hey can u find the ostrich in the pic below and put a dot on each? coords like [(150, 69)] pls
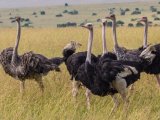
[(121, 52), (73, 61), (105, 53), (152, 54), (107, 77), (26, 66)]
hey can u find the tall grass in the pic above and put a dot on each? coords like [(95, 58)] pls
[(57, 102)]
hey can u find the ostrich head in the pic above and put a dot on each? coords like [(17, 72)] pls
[(149, 53), (72, 45), (144, 19), (89, 26), (104, 21), (17, 19), (111, 17)]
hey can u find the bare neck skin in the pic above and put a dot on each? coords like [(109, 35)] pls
[(15, 50), (145, 35), (90, 40), (114, 33), (104, 38)]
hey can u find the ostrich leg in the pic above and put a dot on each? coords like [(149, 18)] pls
[(75, 86), (88, 94), (116, 104), (22, 86), (40, 83), (158, 79)]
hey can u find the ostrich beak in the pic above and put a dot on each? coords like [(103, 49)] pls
[(83, 26)]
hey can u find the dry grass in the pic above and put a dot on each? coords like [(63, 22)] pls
[(57, 103)]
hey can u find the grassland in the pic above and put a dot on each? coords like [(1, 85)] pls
[(85, 14), (57, 102)]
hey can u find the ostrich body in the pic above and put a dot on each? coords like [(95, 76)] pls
[(73, 61), (151, 54), (26, 66), (107, 77), (121, 52)]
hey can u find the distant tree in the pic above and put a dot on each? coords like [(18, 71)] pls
[(59, 15), (127, 9), (130, 25), (73, 12), (137, 9), (158, 12), (34, 13), (119, 22), (136, 12), (66, 4), (156, 19), (94, 14), (65, 11), (139, 24), (42, 12)]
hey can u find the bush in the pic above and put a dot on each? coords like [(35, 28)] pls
[(59, 15), (139, 24), (119, 22), (156, 18), (42, 12), (94, 14), (130, 25), (66, 4), (73, 12), (65, 11), (136, 12), (158, 12), (127, 9)]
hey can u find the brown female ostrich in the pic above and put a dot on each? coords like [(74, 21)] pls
[(27, 66)]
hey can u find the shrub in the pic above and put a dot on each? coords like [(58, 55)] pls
[(42, 12), (94, 14), (156, 18), (127, 9), (139, 24), (65, 11), (119, 22), (66, 4), (130, 25), (59, 15), (158, 12)]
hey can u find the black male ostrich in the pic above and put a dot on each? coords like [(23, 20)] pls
[(107, 77), (73, 61), (121, 52), (151, 54), (26, 66)]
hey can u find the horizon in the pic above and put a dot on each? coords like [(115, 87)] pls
[(42, 3)]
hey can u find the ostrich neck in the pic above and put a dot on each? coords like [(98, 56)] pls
[(145, 35), (114, 33), (104, 39), (90, 40), (15, 50)]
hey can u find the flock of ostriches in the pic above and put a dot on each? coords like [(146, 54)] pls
[(102, 75)]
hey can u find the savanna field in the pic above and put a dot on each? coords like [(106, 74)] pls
[(57, 101)]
